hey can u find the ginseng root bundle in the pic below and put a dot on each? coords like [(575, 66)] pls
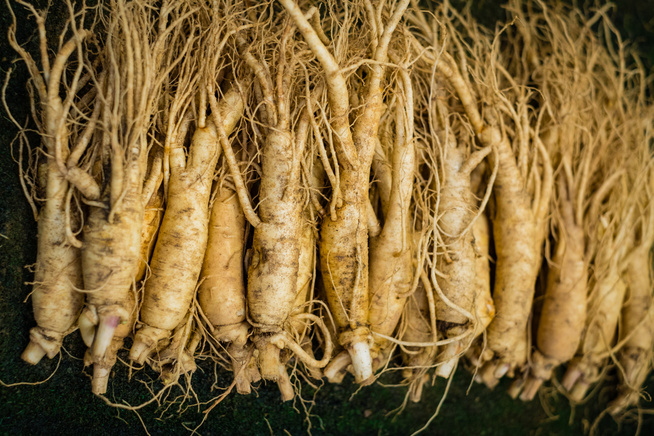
[(304, 190)]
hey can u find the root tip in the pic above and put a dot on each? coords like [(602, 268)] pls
[(33, 353), (100, 380), (570, 378), (140, 350), (361, 361), (531, 388)]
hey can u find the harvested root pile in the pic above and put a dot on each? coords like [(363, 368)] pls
[(305, 191)]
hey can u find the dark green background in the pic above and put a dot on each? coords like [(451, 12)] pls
[(64, 405)]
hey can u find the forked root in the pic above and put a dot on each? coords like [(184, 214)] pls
[(270, 346)]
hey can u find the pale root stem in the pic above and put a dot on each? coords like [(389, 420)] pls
[(102, 365), (269, 358), (284, 384), (516, 387), (571, 376), (104, 335), (359, 352), (486, 375), (109, 318), (530, 388), (100, 379), (582, 372)]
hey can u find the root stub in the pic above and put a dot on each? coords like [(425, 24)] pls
[(33, 353), (42, 342), (145, 341), (244, 368), (337, 368), (361, 361), (269, 359), (104, 335), (100, 379), (271, 368)]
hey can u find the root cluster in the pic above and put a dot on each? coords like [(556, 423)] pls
[(302, 191)]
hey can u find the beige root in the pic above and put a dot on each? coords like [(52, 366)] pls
[(304, 301), (222, 287), (637, 327), (392, 252), (57, 273), (344, 237), (456, 251), (521, 213), (564, 309), (112, 235), (609, 241), (420, 327), (637, 319), (277, 251), (182, 240)]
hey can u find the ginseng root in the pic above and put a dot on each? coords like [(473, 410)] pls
[(57, 274), (222, 286), (344, 237), (182, 240)]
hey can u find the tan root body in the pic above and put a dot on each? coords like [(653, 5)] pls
[(222, 287), (113, 232), (182, 240), (563, 315), (344, 238), (57, 274)]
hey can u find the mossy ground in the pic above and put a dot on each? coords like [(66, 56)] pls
[(64, 404)]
